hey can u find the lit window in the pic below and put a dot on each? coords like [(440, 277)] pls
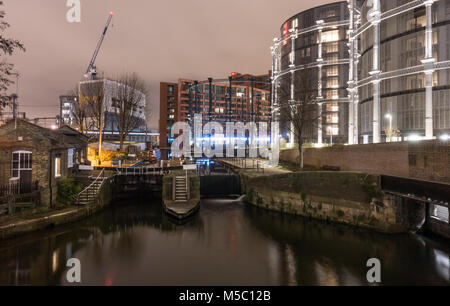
[(334, 130), (330, 36), (295, 23), (334, 118), (332, 94), (58, 166), (333, 83), (333, 107), (332, 71), (331, 48)]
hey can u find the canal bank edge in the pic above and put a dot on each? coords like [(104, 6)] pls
[(52, 219), (345, 197)]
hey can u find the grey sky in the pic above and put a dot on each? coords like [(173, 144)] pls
[(160, 40)]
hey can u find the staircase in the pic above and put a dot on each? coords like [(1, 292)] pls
[(181, 194), (89, 195)]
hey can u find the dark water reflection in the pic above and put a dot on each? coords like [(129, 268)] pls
[(228, 243)]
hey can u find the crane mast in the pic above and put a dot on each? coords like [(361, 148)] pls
[(91, 70)]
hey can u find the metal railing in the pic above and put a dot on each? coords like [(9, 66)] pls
[(18, 188), (91, 191), (142, 171), (242, 163)]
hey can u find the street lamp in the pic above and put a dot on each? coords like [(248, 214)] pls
[(389, 116), (330, 129)]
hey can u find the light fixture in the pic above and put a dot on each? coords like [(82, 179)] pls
[(444, 137), (414, 137)]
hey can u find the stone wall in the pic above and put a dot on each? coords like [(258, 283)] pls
[(27, 137), (349, 198), (428, 160)]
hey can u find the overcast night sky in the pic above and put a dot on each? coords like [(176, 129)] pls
[(160, 40)]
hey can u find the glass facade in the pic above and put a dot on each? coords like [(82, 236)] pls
[(406, 57), (381, 68), (320, 38)]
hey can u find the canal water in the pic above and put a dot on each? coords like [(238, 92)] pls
[(227, 243)]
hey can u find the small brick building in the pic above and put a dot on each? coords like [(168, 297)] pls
[(32, 156)]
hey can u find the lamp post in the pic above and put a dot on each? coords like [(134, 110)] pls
[(330, 129), (389, 116)]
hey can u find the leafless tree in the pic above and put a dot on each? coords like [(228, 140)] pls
[(299, 115), (79, 113), (7, 46), (128, 98), (94, 107)]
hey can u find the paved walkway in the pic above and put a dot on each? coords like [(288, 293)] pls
[(254, 166)]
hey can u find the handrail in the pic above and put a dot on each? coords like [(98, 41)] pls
[(91, 185)]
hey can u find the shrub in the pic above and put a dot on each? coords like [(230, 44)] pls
[(68, 191)]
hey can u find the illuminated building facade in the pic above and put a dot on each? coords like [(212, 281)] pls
[(250, 101), (381, 68), (316, 40)]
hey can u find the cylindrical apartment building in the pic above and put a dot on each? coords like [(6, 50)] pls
[(382, 68), (401, 83), (316, 40)]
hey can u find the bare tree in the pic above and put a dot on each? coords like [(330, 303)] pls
[(128, 102), (8, 46), (299, 115), (79, 113), (94, 107)]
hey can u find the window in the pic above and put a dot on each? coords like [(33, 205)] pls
[(305, 52), (330, 36), (412, 160), (332, 130), (58, 166), (333, 83), (332, 94), (333, 118), (332, 71), (220, 90), (21, 161), (331, 48), (171, 89), (331, 57), (332, 107)]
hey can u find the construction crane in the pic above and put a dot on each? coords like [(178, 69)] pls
[(92, 69)]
